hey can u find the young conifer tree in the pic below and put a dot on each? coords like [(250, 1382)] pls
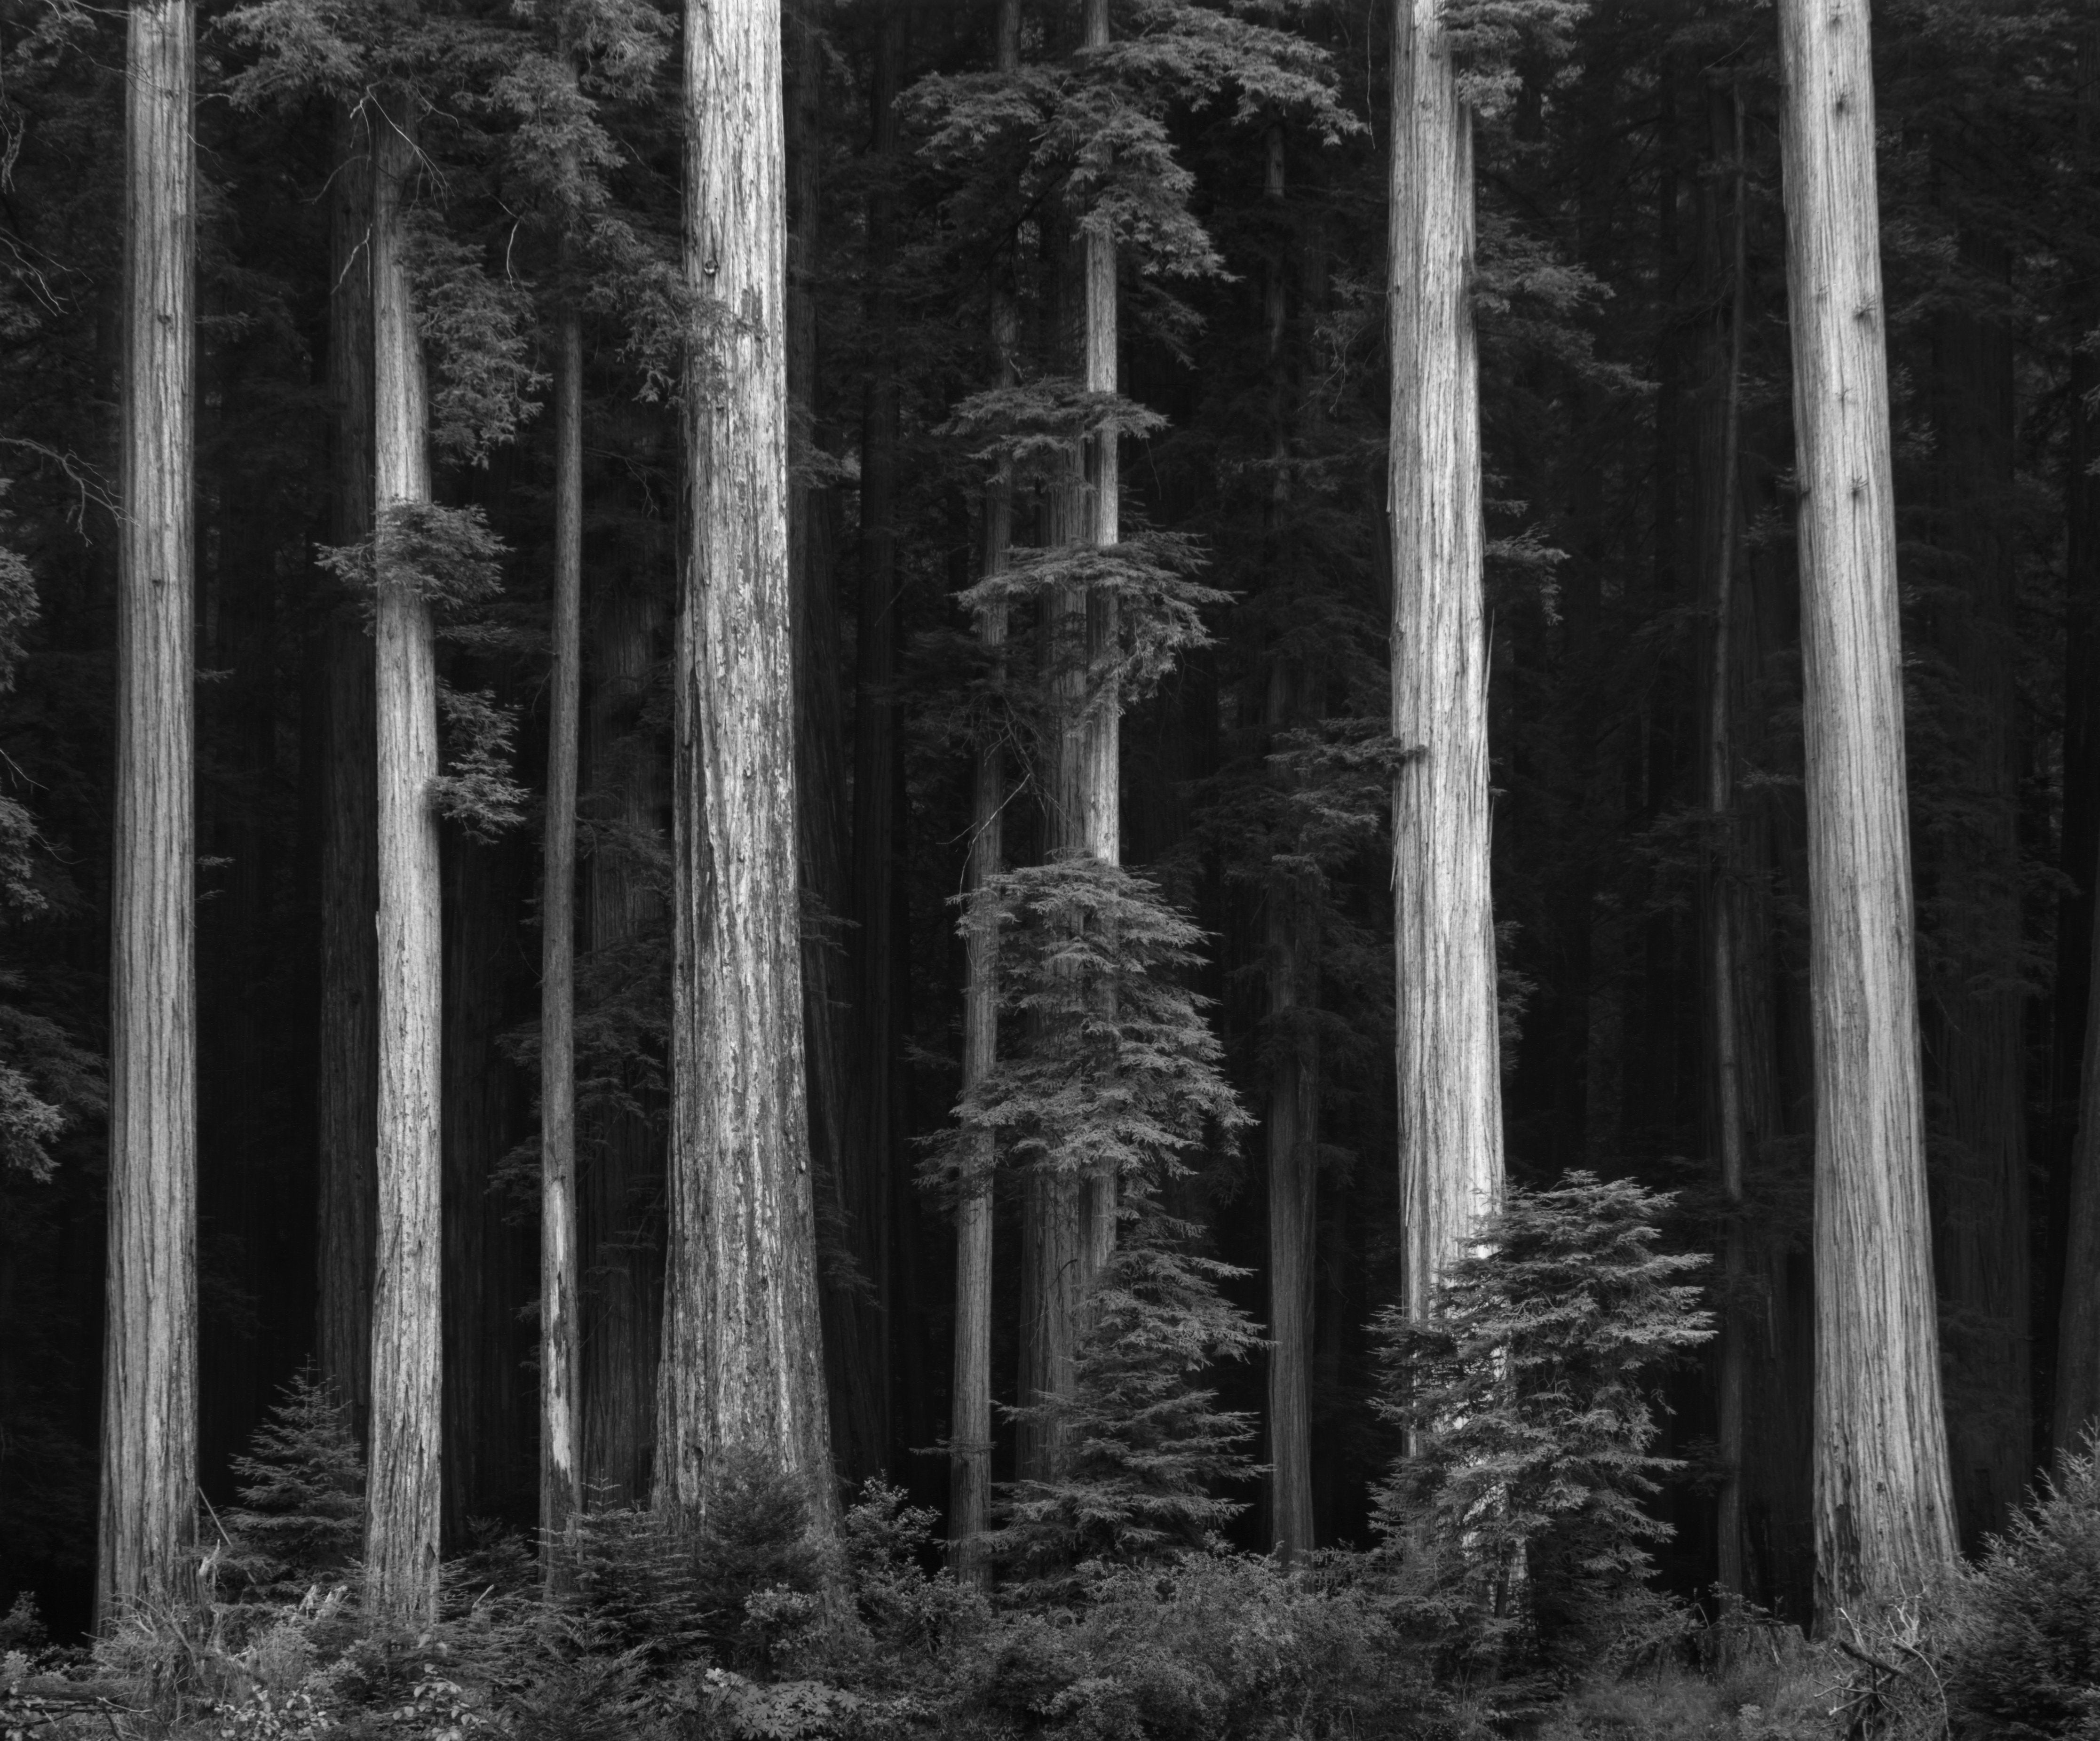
[(1447, 1050), (149, 1410), (1884, 1512), (742, 1367)]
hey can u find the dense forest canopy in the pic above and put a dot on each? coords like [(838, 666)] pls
[(1075, 753)]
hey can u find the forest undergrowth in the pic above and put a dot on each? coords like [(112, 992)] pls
[(1510, 1591)]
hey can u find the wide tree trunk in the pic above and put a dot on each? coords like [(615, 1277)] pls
[(405, 1493), (1068, 1225), (1447, 1047), (561, 1467), (1973, 1018), (1884, 1512), (149, 1398), (347, 1086), (742, 1367)]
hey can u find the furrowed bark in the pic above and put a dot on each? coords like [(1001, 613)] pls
[(404, 1502), (144, 1547), (1884, 1512), (347, 1086), (1447, 1046), (743, 1368), (561, 1467)]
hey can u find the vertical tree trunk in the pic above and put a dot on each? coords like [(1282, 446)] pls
[(1068, 1226), (405, 1494), (872, 1138), (2077, 1335), (970, 1428), (347, 1086), (1884, 1515), (561, 1469), (741, 1369), (1723, 929), (1447, 1049), (1974, 1021), (149, 1424)]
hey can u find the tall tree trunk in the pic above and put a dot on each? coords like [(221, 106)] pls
[(1068, 1225), (1447, 1051), (404, 1506), (1974, 1020), (623, 1303), (347, 1083), (2077, 1335), (149, 1401), (561, 1468), (1724, 928), (875, 1130), (969, 1429), (1884, 1512), (742, 1368)]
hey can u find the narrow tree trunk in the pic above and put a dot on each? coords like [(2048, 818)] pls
[(1722, 919), (1447, 1051), (149, 1402), (1068, 1226), (1884, 1513), (970, 1428), (870, 1153), (347, 1084), (404, 1502), (1974, 1021), (561, 1469), (2078, 1336), (741, 1369)]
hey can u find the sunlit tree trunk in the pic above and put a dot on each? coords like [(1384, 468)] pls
[(1884, 1513), (1447, 1049), (743, 1369), (561, 1469), (405, 1491), (149, 1398)]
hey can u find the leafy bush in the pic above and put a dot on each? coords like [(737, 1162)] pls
[(2021, 1643), (1526, 1396)]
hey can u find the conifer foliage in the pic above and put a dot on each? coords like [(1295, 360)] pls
[(1529, 1393)]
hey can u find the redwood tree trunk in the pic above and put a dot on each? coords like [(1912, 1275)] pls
[(1068, 1225), (405, 1493), (347, 1084), (1884, 1512), (149, 1400), (1447, 1049), (743, 1369), (561, 1469)]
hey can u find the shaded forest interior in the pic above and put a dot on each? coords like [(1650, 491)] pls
[(1643, 661)]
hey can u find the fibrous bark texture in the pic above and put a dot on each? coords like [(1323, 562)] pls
[(561, 1469), (1447, 1045), (1884, 1513), (405, 1495), (149, 1397), (743, 1369), (347, 1086)]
